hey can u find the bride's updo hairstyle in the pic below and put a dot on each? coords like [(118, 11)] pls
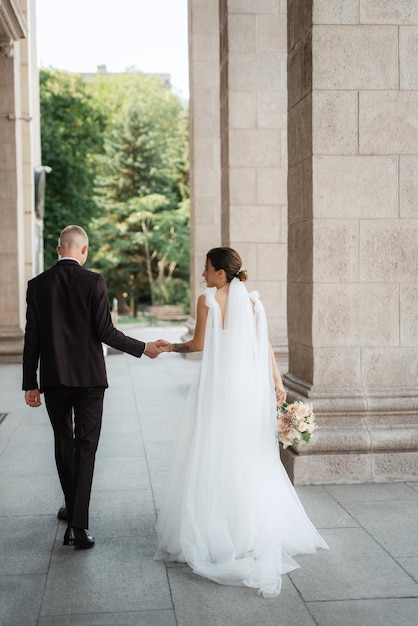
[(228, 260)]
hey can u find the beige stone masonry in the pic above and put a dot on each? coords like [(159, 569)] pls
[(388, 251), (409, 315), (360, 314), (398, 12), (335, 122), (11, 313), (408, 57), (205, 163), (254, 6), (254, 148), (336, 12), (408, 186), (388, 122), (355, 57), (390, 367), (355, 186), (336, 257), (353, 233)]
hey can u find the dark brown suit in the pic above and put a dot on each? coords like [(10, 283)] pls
[(67, 321)]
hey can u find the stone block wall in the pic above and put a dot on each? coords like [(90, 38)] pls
[(253, 103), (238, 112), (353, 226), (19, 154), (205, 144)]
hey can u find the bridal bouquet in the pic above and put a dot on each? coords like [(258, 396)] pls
[(295, 423)]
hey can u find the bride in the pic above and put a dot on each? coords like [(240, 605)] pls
[(231, 511)]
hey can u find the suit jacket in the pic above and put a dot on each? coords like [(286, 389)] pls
[(67, 320)]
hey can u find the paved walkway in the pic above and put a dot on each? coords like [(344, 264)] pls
[(369, 576)]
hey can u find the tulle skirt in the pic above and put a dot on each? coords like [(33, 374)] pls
[(231, 511)]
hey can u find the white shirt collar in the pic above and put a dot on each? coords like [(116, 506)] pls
[(68, 258)]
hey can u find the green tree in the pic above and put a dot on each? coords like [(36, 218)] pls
[(72, 135), (146, 146), (133, 161), (142, 234), (144, 250)]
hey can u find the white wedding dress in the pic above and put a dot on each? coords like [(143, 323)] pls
[(231, 511)]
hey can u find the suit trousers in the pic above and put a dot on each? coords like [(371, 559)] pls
[(76, 418)]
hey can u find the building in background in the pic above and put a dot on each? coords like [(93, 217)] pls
[(102, 71), (20, 155)]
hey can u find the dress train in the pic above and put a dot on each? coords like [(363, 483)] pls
[(231, 511)]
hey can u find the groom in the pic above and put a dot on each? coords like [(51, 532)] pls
[(67, 320)]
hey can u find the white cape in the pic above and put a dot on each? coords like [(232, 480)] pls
[(231, 511)]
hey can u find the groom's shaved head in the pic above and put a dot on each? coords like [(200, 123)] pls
[(73, 237)]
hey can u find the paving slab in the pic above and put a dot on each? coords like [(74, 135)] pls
[(201, 602), (380, 519), (323, 510), (410, 565), (354, 567), (20, 599), (127, 513), (372, 492), (390, 612), (116, 575), (25, 544), (124, 618), (30, 494)]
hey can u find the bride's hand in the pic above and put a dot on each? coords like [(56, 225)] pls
[(280, 395), (165, 346)]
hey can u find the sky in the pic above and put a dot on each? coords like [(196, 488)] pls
[(149, 35)]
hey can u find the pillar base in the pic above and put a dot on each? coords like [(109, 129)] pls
[(11, 345), (340, 469), (362, 436)]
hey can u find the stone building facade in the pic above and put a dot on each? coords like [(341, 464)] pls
[(340, 238), (353, 235), (20, 155), (304, 157)]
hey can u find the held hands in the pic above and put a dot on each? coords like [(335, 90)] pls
[(152, 350), (164, 346), (33, 397)]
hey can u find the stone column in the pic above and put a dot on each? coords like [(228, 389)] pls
[(254, 149), (11, 215), (19, 152), (205, 164), (353, 233)]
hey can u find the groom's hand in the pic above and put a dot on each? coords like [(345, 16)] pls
[(33, 397), (152, 350)]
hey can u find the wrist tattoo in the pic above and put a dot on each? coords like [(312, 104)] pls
[(180, 347)]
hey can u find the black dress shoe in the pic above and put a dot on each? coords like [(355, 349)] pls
[(79, 538), (82, 538), (63, 513)]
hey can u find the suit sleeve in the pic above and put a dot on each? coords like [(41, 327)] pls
[(108, 334), (31, 349)]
